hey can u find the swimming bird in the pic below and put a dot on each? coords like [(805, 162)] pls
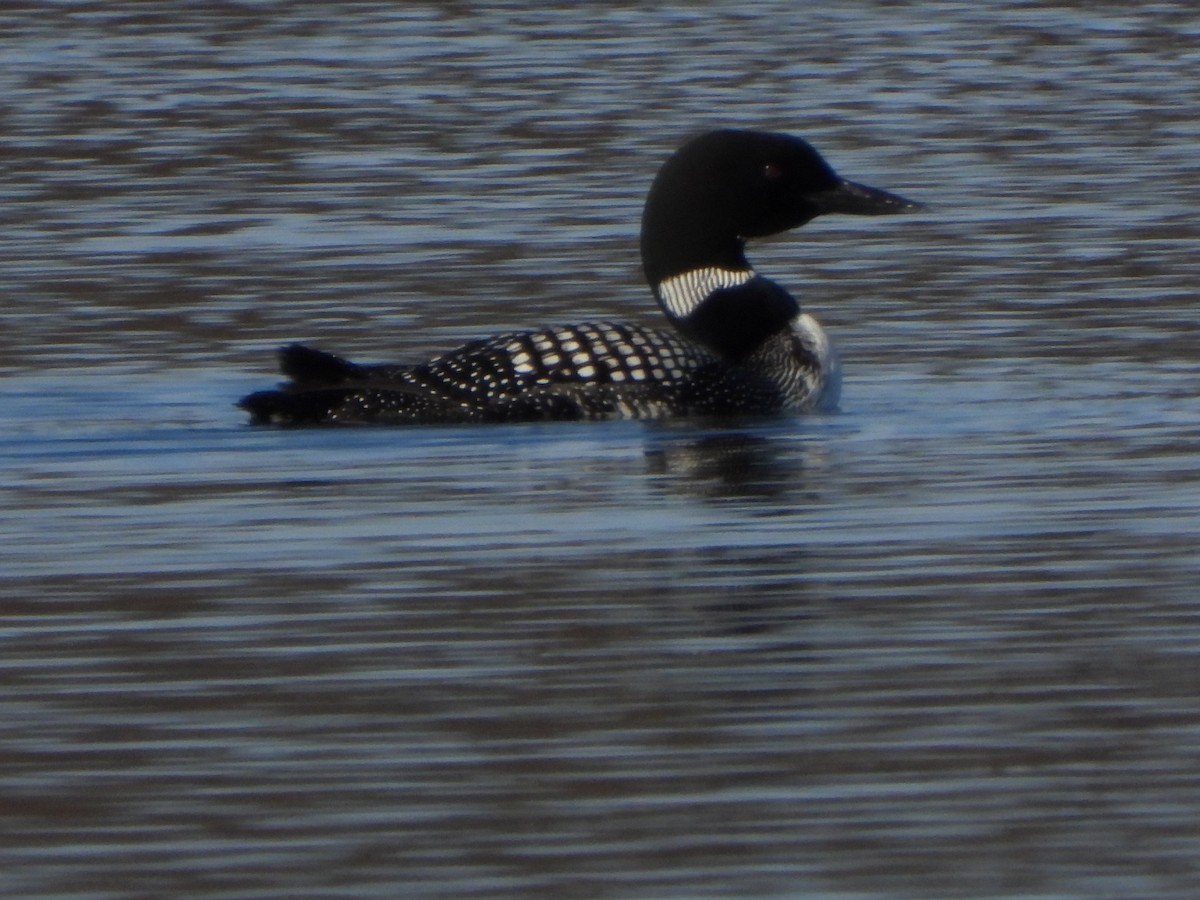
[(739, 345)]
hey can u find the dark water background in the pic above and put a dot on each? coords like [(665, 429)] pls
[(943, 643)]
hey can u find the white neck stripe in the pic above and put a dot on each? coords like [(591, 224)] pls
[(681, 294)]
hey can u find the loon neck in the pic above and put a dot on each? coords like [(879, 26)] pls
[(732, 311), (693, 255), (678, 238)]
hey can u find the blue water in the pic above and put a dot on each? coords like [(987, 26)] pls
[(941, 643)]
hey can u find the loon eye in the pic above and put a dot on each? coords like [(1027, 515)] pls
[(771, 171)]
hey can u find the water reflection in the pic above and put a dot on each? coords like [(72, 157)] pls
[(728, 464)]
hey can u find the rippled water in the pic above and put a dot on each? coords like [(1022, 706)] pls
[(943, 643)]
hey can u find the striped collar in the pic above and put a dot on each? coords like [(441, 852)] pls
[(681, 294)]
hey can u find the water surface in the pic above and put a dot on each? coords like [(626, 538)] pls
[(942, 643)]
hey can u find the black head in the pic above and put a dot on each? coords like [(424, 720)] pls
[(727, 186)]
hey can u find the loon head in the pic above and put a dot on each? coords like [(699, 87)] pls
[(708, 199), (727, 186)]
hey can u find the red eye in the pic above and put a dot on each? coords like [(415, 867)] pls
[(771, 171)]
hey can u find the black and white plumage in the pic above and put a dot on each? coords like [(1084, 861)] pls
[(739, 343), (594, 370)]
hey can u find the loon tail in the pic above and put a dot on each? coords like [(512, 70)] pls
[(282, 407), (325, 389), (318, 384), (307, 366)]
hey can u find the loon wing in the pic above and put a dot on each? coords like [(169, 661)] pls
[(588, 371)]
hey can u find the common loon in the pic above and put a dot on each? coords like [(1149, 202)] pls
[(741, 345)]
